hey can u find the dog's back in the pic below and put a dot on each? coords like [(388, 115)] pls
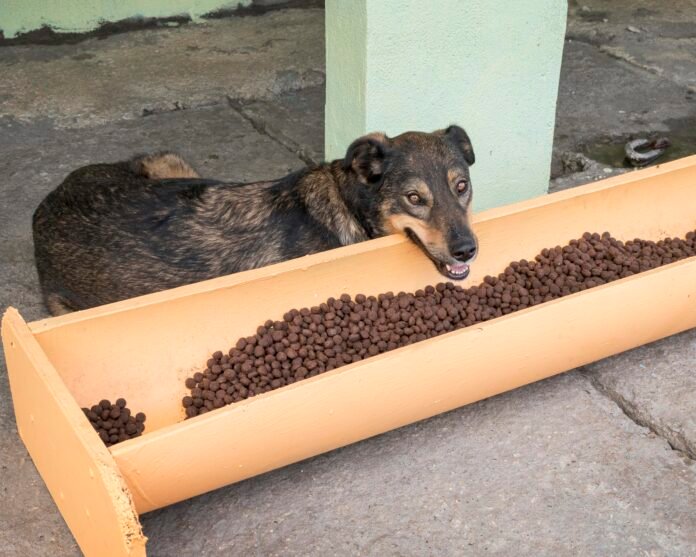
[(111, 232), (92, 212)]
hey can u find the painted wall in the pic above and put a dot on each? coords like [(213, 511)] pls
[(20, 16), (345, 114), (491, 66)]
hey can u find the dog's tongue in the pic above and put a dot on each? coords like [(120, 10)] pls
[(458, 268)]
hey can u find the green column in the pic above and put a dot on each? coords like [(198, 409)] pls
[(491, 66)]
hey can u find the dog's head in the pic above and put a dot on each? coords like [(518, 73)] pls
[(418, 184)]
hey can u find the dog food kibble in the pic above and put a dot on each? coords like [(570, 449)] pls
[(310, 341), (114, 422)]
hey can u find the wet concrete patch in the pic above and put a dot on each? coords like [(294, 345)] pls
[(593, 16), (677, 30), (261, 7), (610, 151), (644, 12), (45, 35)]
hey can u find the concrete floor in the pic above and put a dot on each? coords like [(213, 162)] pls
[(599, 461)]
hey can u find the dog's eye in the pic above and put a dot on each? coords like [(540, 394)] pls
[(414, 199), (462, 186)]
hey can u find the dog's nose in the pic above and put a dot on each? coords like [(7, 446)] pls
[(464, 251)]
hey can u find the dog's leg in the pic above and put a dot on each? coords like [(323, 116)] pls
[(164, 164)]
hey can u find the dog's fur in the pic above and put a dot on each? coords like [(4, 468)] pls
[(114, 231)]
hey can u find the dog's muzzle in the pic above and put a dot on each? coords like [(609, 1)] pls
[(453, 271)]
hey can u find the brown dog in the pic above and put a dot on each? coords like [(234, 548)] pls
[(114, 231)]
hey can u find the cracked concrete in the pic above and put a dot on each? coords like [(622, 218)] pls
[(293, 121), (660, 394), (596, 462)]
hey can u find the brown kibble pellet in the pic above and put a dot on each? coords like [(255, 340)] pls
[(113, 422), (343, 330)]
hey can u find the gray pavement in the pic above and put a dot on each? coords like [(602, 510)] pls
[(599, 461), (629, 71)]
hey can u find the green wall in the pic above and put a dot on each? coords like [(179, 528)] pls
[(346, 61), (21, 16), (491, 66)]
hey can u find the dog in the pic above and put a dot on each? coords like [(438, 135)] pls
[(115, 231)]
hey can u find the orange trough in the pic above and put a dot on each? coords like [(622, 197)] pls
[(142, 349)]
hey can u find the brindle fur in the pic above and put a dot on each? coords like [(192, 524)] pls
[(114, 231)]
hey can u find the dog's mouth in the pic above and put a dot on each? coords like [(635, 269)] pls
[(456, 271)]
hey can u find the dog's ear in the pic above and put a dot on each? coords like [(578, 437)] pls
[(367, 157), (461, 140)]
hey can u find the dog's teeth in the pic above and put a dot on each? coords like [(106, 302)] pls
[(457, 269)]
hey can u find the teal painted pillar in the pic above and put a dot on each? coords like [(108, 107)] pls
[(491, 66)]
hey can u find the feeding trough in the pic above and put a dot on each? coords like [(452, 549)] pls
[(143, 349)]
